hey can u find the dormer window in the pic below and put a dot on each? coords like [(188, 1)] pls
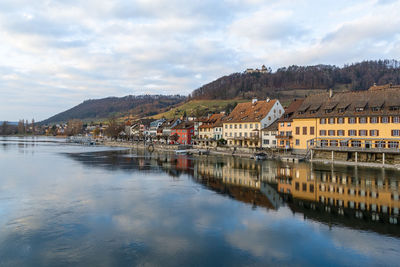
[(393, 108), (375, 108), (359, 109)]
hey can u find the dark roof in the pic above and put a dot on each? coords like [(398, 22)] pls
[(358, 103), (291, 110), (184, 125), (250, 112), (272, 127)]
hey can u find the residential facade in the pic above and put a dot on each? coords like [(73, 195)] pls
[(242, 127), (268, 135), (285, 129), (363, 119), (185, 132)]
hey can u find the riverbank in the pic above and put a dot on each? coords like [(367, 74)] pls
[(225, 151)]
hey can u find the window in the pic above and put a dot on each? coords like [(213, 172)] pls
[(374, 132), (230, 126), (240, 126), (282, 124), (226, 134), (245, 126), (304, 185), (311, 188), (331, 132), (352, 133), (266, 142), (373, 120), (230, 134), (393, 144), (226, 126), (333, 143), (355, 143), (245, 134), (282, 143), (385, 119), (322, 132), (256, 126), (297, 186), (297, 142), (331, 120), (395, 132), (344, 143), (340, 120), (324, 143), (340, 132), (251, 126), (380, 144), (289, 124), (352, 120), (297, 130), (304, 130), (362, 132), (311, 130), (362, 120), (322, 121), (235, 126), (396, 119), (281, 133)]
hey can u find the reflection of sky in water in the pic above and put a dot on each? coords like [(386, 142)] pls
[(54, 210)]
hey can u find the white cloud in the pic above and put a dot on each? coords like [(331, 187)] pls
[(68, 51)]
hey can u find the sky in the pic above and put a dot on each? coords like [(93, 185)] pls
[(56, 54)]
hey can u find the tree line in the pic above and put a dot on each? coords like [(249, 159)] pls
[(358, 76)]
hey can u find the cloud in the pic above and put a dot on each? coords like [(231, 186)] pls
[(68, 51)]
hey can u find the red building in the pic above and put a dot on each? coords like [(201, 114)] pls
[(185, 132)]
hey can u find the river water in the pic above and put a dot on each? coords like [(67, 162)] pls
[(63, 205)]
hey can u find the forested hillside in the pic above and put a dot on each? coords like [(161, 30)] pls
[(358, 76), (96, 109)]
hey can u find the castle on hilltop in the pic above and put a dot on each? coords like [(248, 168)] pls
[(262, 70)]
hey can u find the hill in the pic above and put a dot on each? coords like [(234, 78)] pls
[(199, 108), (134, 106), (298, 81)]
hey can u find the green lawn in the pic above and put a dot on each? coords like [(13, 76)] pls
[(197, 107)]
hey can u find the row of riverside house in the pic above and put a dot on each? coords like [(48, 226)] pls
[(361, 120), (357, 120)]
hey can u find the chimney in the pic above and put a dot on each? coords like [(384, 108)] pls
[(330, 93), (254, 101)]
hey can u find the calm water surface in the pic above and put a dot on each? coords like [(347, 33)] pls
[(64, 204)]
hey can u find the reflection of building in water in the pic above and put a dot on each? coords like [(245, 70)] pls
[(241, 176), (340, 191)]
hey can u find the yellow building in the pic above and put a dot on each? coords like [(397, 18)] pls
[(365, 119), (285, 129), (241, 128)]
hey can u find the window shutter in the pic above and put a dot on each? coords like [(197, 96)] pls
[(377, 132)]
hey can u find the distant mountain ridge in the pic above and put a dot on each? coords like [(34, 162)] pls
[(9, 122), (304, 79), (97, 109)]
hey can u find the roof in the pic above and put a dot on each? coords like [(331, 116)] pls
[(378, 101), (250, 112), (215, 120), (291, 110), (273, 127), (184, 125)]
